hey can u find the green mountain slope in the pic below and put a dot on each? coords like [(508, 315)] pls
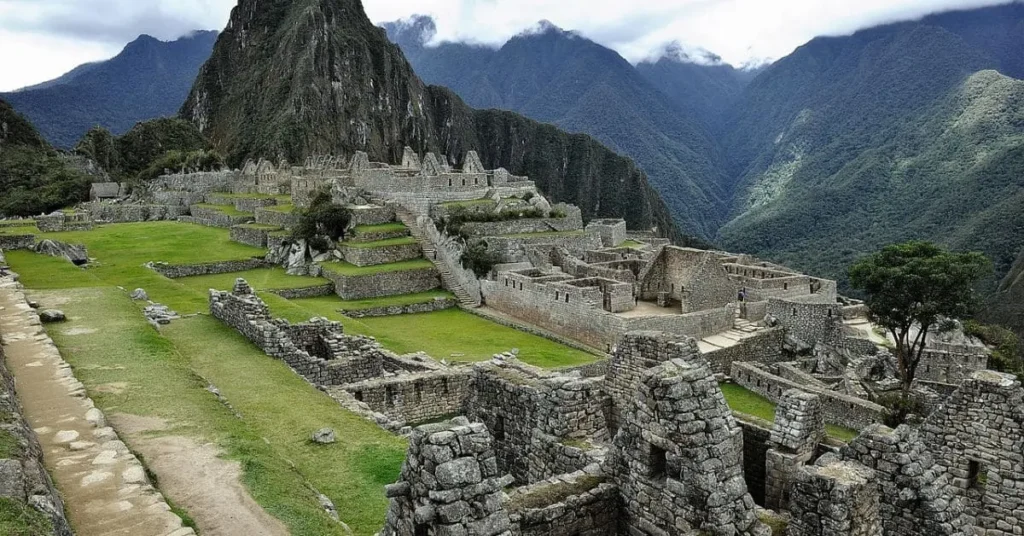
[(148, 79), (288, 79), (560, 77), (950, 172), (1006, 305)]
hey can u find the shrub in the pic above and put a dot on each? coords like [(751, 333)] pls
[(479, 258), (1006, 348), (452, 223), (900, 407), (184, 162), (321, 222)]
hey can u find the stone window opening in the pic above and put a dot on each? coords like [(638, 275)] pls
[(977, 475), (658, 463), (421, 530), (499, 428), (794, 311), (389, 396), (444, 386), (358, 395), (566, 297), (785, 286), (419, 391), (558, 295)]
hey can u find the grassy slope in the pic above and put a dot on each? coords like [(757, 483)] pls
[(262, 278)]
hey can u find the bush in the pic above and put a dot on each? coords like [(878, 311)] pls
[(184, 162), (1006, 348), (479, 258), (459, 216), (899, 408), (321, 222)]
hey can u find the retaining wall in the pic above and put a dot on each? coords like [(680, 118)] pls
[(10, 242), (214, 218), (588, 506), (437, 304), (252, 236), (765, 347), (415, 398), (134, 213), (276, 218), (380, 285), (176, 271), (372, 256), (305, 292)]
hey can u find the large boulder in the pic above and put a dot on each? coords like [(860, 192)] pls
[(324, 436), (74, 253), (50, 316)]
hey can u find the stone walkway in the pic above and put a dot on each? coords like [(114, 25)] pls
[(104, 487), (742, 329)]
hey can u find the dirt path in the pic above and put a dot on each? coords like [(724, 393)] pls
[(195, 478), (104, 486)]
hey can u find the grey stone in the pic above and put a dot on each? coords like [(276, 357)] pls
[(51, 316), (324, 436)]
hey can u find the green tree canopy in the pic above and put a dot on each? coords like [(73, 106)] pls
[(914, 287)]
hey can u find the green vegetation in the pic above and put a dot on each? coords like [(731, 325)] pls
[(259, 279), (142, 148), (17, 223), (551, 494), (456, 218), (322, 222), (181, 161), (473, 203), (344, 268), (1007, 352), (278, 409), (20, 519), (632, 244), (404, 241), (287, 208), (747, 402), (479, 258), (9, 447), (260, 226), (911, 289), (390, 301), (228, 210), (23, 230)]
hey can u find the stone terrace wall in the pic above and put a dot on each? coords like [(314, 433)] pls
[(306, 292), (23, 478), (199, 183), (415, 398), (12, 242), (949, 367), (383, 284), (839, 409), (572, 222), (214, 218), (363, 256), (634, 355), (266, 216), (437, 304), (698, 325), (765, 347), (755, 453), (242, 204), (513, 248), (134, 213), (176, 271), (252, 236), (839, 499), (810, 322), (583, 505)]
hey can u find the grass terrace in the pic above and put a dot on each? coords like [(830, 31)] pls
[(471, 203), (632, 244), (17, 223), (743, 400), (260, 226), (284, 209), (280, 198), (228, 210), (12, 230), (403, 241), (346, 269), (259, 279)]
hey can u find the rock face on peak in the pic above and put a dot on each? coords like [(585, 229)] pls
[(294, 78)]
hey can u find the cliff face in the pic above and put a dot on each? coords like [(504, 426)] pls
[(293, 78)]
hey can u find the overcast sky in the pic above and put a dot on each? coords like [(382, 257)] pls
[(42, 39)]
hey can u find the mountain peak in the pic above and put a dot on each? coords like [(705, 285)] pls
[(416, 30)]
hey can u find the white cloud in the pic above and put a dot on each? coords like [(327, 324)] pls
[(51, 36)]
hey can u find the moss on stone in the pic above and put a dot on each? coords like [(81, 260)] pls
[(20, 519)]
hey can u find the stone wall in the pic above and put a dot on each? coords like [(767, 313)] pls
[(678, 457), (437, 304), (516, 400), (371, 215), (838, 408), (450, 484), (977, 435), (755, 455), (212, 217), (764, 347), (318, 350), (134, 213), (839, 499), (12, 242), (695, 278), (23, 477), (251, 235), (613, 232), (634, 355), (176, 271), (808, 321), (198, 183), (379, 285), (513, 248), (415, 398), (241, 204), (572, 222), (579, 504), (372, 256), (798, 429), (699, 324), (949, 367), (266, 216)]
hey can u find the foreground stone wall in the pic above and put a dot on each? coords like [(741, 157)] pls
[(437, 304), (765, 347), (267, 216), (12, 242), (23, 478), (577, 503), (839, 499), (364, 256), (379, 285), (134, 213), (635, 354)]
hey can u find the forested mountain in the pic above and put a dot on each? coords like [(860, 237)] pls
[(562, 78), (289, 79), (148, 79), (911, 130)]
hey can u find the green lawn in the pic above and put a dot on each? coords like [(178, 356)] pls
[(382, 228), (121, 250), (344, 268), (19, 230), (17, 223), (632, 244), (260, 226), (286, 208), (748, 402), (259, 279), (403, 241), (165, 375), (453, 334)]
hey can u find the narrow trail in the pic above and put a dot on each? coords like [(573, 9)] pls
[(104, 487)]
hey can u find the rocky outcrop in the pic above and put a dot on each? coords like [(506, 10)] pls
[(291, 79), (75, 254)]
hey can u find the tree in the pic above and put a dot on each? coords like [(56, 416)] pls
[(321, 221), (912, 289)]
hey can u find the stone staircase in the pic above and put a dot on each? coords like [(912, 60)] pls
[(741, 330), (451, 283)]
